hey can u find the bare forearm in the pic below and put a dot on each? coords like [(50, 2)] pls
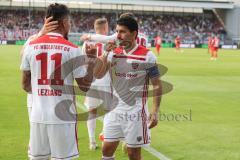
[(86, 81), (101, 67), (102, 38), (26, 81), (157, 96), (26, 85), (27, 88)]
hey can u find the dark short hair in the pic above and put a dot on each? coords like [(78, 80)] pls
[(129, 22), (57, 11)]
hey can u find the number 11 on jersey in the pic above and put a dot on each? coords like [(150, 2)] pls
[(43, 58)]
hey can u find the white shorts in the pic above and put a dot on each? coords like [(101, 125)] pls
[(58, 141), (105, 97), (130, 127)]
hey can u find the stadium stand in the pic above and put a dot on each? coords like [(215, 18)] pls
[(193, 28)]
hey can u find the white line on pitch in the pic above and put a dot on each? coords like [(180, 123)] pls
[(149, 149)]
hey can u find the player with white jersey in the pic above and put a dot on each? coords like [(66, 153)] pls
[(103, 84), (47, 27), (132, 66), (50, 64), (142, 38)]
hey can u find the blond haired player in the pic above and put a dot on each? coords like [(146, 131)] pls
[(141, 39), (103, 84)]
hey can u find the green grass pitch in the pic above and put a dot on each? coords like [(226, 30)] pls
[(209, 89)]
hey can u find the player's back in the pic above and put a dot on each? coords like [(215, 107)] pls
[(142, 39), (52, 61), (105, 80)]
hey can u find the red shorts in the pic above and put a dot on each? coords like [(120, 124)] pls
[(177, 45), (158, 46), (215, 49)]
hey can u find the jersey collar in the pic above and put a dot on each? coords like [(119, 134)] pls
[(54, 34), (131, 51)]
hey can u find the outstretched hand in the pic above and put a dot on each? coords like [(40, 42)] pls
[(91, 51), (111, 45)]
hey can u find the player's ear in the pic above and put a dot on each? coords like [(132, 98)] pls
[(135, 33), (64, 24), (61, 24)]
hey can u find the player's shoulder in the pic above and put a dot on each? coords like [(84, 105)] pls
[(53, 39), (118, 50), (141, 51), (151, 58)]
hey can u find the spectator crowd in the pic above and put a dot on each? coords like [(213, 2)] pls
[(194, 28)]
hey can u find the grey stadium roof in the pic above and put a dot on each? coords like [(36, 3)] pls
[(145, 5), (224, 4)]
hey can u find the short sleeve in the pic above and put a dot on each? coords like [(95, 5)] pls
[(84, 48), (151, 58), (110, 57), (79, 64), (152, 67), (25, 63)]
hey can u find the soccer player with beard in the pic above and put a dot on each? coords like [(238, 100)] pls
[(132, 67)]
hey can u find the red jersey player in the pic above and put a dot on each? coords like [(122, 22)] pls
[(158, 43), (210, 44), (177, 44), (215, 45)]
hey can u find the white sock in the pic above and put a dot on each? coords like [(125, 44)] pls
[(91, 125), (108, 158)]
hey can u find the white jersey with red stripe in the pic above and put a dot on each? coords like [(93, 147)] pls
[(105, 81), (53, 63), (130, 77), (141, 39)]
